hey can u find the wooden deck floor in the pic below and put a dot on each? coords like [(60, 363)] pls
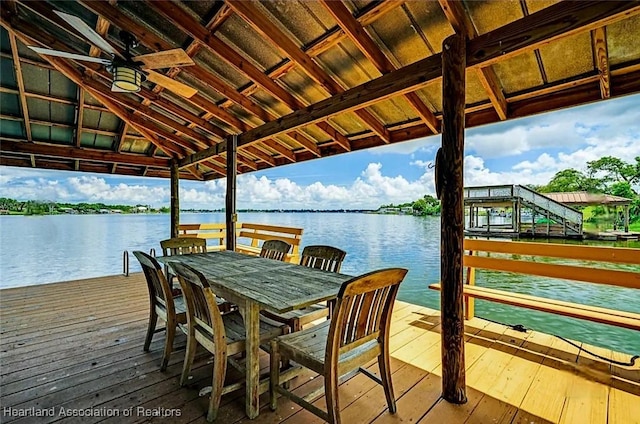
[(78, 346)]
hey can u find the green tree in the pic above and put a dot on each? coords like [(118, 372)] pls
[(614, 170), (572, 180)]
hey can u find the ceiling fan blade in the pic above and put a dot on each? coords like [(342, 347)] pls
[(89, 33), (165, 59), (171, 84), (58, 53)]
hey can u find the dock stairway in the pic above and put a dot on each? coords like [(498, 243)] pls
[(560, 220)]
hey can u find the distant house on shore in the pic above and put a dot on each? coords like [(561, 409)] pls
[(142, 209), (407, 210), (69, 210), (389, 210), (116, 211), (104, 211)]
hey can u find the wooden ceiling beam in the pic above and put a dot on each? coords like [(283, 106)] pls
[(283, 151), (79, 117), (82, 153), (461, 23), (361, 38), (124, 127), (305, 142), (528, 33), (281, 41), (601, 56), (20, 80), (50, 98), (187, 23), (102, 27), (254, 151)]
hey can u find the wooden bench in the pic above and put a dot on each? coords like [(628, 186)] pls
[(250, 236), (508, 259)]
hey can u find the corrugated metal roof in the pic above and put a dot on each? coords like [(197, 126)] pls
[(582, 198)]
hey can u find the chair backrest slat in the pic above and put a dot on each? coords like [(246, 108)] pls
[(159, 289), (275, 249), (183, 246), (203, 314), (363, 310), (326, 258)]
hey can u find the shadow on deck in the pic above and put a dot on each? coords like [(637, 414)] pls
[(76, 348)]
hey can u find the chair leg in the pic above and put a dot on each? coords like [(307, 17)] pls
[(168, 344), (331, 393), (274, 377), (151, 328), (219, 374), (385, 376), (192, 344)]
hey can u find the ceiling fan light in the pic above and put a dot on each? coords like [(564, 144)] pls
[(127, 78)]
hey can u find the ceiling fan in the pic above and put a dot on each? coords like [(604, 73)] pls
[(128, 71)]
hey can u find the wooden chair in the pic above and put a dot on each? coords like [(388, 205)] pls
[(163, 305), (222, 335), (357, 333), (275, 249), (326, 258), (181, 246)]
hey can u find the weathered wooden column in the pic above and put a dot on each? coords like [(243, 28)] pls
[(230, 206), (452, 218), (626, 218), (175, 198)]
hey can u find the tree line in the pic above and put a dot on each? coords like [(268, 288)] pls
[(39, 207)]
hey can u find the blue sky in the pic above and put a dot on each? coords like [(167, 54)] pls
[(522, 151)]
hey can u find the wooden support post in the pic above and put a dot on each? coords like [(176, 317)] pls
[(452, 219), (175, 198), (626, 218), (230, 209)]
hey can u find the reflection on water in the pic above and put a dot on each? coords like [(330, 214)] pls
[(36, 250)]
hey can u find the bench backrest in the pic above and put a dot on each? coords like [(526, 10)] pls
[(250, 236), (592, 274), (481, 254)]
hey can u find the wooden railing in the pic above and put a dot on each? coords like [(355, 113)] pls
[(481, 255), (250, 236)]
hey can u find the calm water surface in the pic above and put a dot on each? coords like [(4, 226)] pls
[(45, 249)]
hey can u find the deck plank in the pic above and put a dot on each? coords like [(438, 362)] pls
[(78, 344)]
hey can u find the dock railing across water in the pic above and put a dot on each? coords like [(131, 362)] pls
[(507, 256)]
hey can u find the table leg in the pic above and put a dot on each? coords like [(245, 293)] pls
[(252, 326)]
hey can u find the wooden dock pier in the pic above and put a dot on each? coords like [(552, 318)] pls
[(78, 345)]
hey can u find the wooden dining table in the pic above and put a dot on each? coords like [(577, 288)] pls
[(254, 284)]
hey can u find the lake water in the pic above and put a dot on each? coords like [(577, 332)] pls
[(45, 249)]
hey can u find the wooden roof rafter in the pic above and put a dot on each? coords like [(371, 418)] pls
[(461, 23), (282, 42), (181, 19), (367, 16), (357, 33), (601, 57)]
